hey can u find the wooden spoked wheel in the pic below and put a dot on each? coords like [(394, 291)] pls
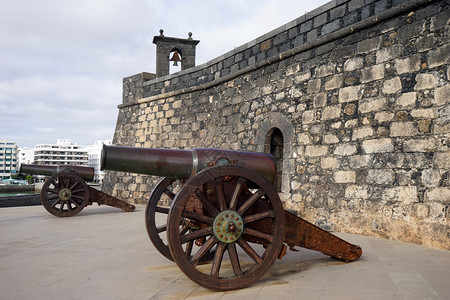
[(242, 224), (64, 194), (159, 203)]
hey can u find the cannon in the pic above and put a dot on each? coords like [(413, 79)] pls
[(65, 193), (225, 223)]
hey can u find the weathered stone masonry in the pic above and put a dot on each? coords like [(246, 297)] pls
[(361, 94)]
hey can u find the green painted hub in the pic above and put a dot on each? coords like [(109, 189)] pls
[(65, 194), (228, 226)]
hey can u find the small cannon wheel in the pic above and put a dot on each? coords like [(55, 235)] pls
[(159, 202), (236, 201), (64, 194)]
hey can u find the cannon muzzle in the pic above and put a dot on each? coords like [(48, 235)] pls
[(182, 164), (87, 173)]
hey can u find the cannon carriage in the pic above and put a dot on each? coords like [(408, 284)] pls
[(65, 193), (224, 223)]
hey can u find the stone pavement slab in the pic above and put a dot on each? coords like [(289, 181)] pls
[(104, 253)]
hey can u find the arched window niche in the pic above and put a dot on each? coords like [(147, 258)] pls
[(274, 144)]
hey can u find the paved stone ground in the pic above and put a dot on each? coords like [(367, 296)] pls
[(104, 253)]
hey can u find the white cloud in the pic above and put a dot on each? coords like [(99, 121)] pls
[(62, 61)]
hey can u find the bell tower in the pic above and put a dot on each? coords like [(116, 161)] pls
[(182, 50)]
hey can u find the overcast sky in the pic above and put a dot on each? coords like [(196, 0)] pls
[(62, 61)]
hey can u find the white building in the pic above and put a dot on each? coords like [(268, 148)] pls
[(26, 156), (8, 158), (61, 153), (94, 154)]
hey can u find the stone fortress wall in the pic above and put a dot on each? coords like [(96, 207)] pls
[(355, 99)]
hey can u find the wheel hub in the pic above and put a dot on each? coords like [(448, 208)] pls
[(228, 226), (65, 194)]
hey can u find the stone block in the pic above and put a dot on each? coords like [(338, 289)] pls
[(430, 177), (402, 194), (442, 95), (357, 192), (369, 45), (334, 82), (325, 70), (392, 86), (389, 53), (330, 139), (314, 86), (330, 27), (425, 81), (384, 116), (441, 160), (403, 129), (360, 161), (371, 105), (345, 176), (331, 112), (420, 145), (320, 100), (329, 163), (345, 150), (378, 145), (424, 113), (354, 63), (439, 194), (315, 151), (350, 93), (372, 73), (380, 177), (407, 100), (320, 20), (361, 133), (302, 76), (408, 65), (439, 57), (308, 117)]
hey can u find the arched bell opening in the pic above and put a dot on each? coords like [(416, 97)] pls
[(175, 61), (274, 145)]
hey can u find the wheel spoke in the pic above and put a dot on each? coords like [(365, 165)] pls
[(219, 193), (189, 246), (196, 234), (250, 201), (74, 202), (256, 217), (218, 259), (54, 191), (236, 193), (184, 228), (161, 228), (163, 210), (74, 185), (53, 196), (209, 207), (249, 250), (78, 197), (258, 234), (234, 259), (203, 250), (77, 191), (56, 202), (198, 217), (169, 193)]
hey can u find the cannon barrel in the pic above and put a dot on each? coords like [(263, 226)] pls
[(87, 173), (182, 164)]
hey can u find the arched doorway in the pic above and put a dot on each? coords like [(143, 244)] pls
[(274, 145)]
